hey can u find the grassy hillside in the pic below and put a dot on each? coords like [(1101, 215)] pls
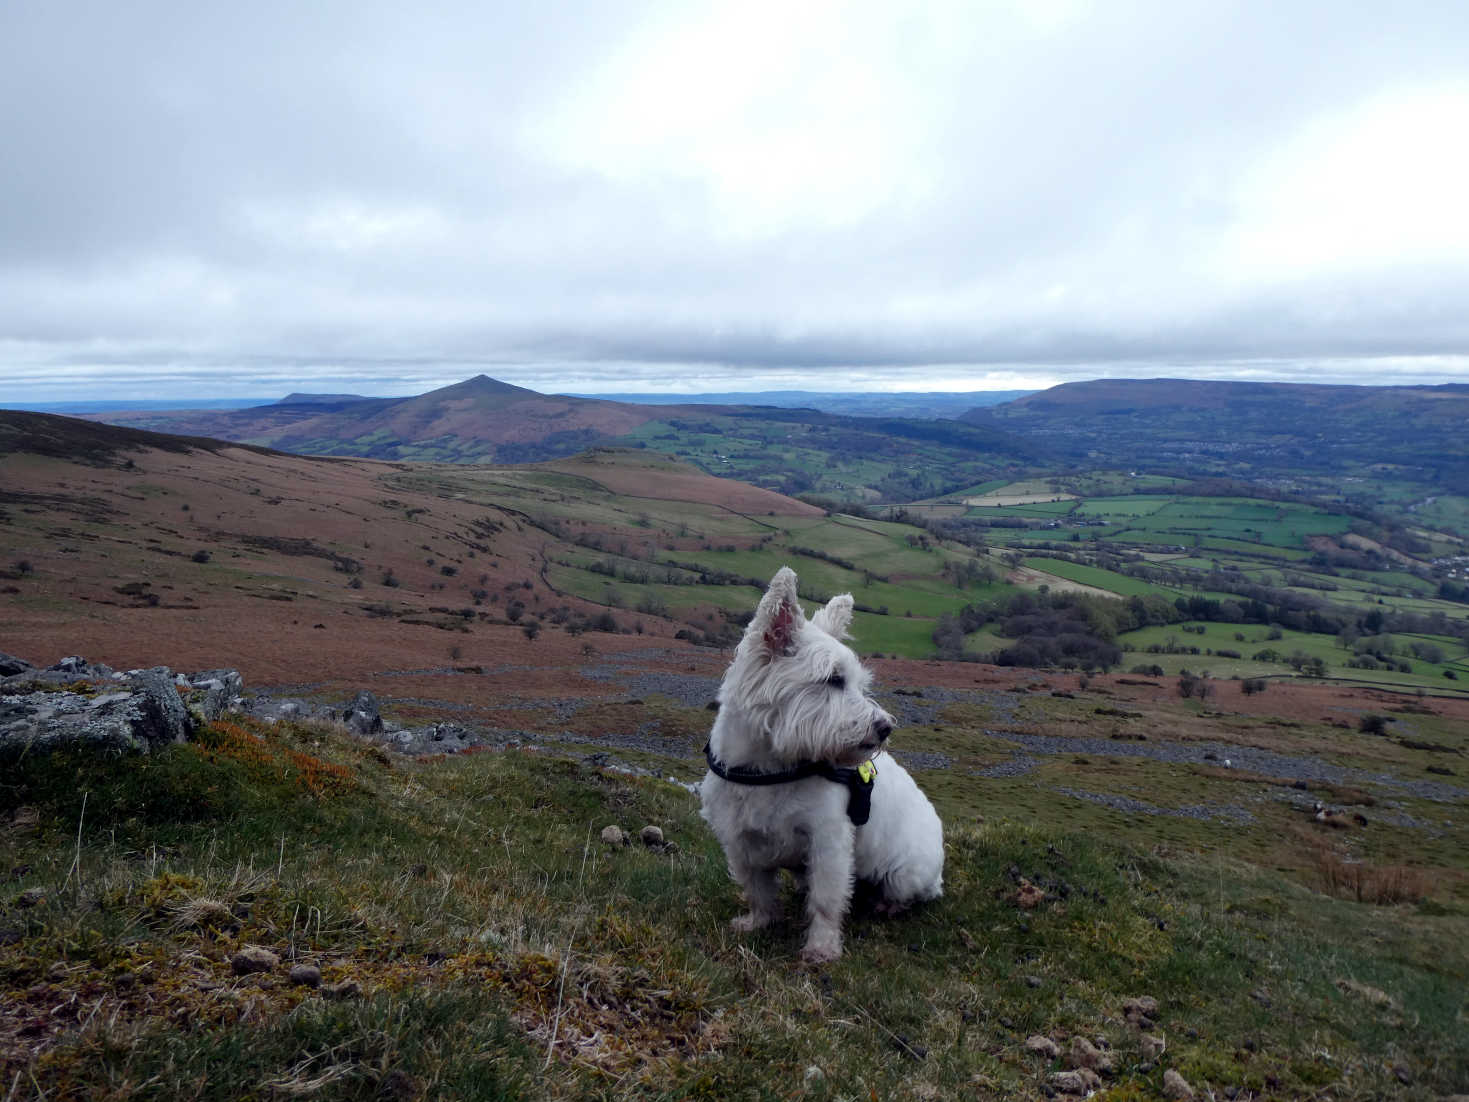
[(476, 938)]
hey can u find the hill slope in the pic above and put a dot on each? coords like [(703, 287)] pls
[(197, 552), (480, 419)]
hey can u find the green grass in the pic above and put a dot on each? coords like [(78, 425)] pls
[(484, 926), (1110, 580)]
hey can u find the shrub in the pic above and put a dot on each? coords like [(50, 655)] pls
[(200, 555), (1191, 685), (1372, 725)]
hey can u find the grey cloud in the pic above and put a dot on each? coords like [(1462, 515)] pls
[(246, 192)]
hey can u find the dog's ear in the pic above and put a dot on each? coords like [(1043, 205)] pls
[(779, 617), (836, 617)]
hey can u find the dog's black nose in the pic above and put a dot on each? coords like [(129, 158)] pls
[(882, 728)]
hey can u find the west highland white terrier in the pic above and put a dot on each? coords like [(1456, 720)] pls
[(798, 778)]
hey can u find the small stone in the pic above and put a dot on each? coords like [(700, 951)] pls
[(347, 989), (1404, 1076), (614, 836), (253, 958), (1176, 1086), (1080, 1081), (306, 975), (1042, 1046), (813, 1074), (651, 835), (1143, 1006), (30, 897), (1084, 1054), (1032, 981), (1029, 896), (1152, 1046)]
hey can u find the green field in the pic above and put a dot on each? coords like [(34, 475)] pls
[(1109, 580)]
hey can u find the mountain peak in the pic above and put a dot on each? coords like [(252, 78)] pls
[(481, 384)]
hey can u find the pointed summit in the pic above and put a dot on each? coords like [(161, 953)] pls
[(480, 386)]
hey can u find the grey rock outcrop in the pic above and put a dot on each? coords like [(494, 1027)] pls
[(435, 738), (141, 712), (10, 665), (222, 690), (69, 670), (362, 716)]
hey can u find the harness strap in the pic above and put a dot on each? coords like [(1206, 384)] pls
[(857, 779)]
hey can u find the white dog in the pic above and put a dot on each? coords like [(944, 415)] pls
[(790, 761)]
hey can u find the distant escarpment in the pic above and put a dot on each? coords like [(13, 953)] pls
[(1247, 428)]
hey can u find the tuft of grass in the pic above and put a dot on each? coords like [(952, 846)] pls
[(1369, 883)]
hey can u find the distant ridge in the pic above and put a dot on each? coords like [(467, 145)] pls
[(477, 420), (1226, 427), (917, 404), (301, 398)]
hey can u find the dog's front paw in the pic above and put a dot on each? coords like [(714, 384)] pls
[(822, 950), (747, 922)]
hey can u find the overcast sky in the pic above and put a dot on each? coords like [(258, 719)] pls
[(204, 200)]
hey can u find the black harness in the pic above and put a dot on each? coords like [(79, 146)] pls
[(858, 780)]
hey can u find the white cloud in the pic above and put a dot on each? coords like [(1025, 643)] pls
[(1382, 185), (665, 191)]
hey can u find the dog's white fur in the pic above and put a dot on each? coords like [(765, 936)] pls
[(796, 693)]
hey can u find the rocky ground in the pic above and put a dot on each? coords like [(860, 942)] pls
[(517, 704)]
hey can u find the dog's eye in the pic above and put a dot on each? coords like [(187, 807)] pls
[(837, 681)]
